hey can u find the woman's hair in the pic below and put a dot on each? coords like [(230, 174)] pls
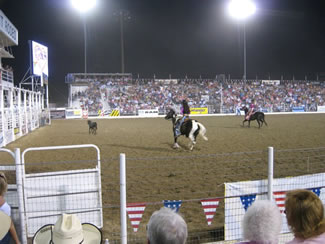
[(166, 226), (305, 213), (3, 184), (262, 222)]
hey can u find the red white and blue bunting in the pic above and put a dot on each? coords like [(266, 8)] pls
[(210, 208)]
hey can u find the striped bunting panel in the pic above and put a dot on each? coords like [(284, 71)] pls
[(135, 212), (210, 207), (279, 197)]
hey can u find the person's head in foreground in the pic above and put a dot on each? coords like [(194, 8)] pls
[(305, 214), (166, 226), (68, 230), (262, 222)]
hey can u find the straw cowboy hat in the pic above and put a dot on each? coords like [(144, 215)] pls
[(5, 221), (68, 230)]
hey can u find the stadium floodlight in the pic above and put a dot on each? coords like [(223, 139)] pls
[(83, 5), (241, 10)]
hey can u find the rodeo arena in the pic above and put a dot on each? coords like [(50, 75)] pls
[(116, 175)]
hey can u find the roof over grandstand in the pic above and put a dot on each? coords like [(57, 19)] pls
[(174, 39)]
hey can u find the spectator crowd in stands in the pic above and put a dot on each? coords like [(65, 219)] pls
[(221, 97)]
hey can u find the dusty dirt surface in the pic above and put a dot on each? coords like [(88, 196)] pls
[(157, 172)]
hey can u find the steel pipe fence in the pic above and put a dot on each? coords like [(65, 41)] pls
[(21, 111)]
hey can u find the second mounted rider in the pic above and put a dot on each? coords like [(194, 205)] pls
[(252, 109)]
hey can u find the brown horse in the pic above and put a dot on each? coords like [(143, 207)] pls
[(92, 127), (258, 116)]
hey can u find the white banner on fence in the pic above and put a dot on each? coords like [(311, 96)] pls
[(320, 108), (73, 113), (239, 196), (148, 112)]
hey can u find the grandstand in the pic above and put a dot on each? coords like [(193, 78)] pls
[(90, 91), (100, 94)]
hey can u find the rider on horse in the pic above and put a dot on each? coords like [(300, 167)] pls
[(185, 111), (252, 109)]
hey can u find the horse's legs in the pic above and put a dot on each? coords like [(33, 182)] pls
[(264, 121), (259, 123), (249, 123), (244, 122), (192, 141), (175, 142)]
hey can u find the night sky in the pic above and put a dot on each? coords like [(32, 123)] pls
[(177, 37)]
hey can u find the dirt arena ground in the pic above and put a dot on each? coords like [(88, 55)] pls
[(156, 172)]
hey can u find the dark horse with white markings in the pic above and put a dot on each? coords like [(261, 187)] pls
[(92, 127), (258, 116), (190, 128)]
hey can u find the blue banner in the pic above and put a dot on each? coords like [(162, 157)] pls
[(298, 109)]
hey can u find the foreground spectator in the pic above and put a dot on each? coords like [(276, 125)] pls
[(5, 207), (262, 223), (166, 226), (305, 216), (68, 230), (4, 227)]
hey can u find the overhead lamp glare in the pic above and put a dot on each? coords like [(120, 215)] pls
[(83, 5), (241, 9)]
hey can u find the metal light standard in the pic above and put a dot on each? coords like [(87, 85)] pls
[(123, 15), (83, 6), (241, 10)]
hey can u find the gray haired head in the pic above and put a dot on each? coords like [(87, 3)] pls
[(166, 226), (262, 222)]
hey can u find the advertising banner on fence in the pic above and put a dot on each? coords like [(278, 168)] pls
[(148, 112), (320, 108), (73, 113), (199, 110), (298, 109), (240, 195), (57, 114)]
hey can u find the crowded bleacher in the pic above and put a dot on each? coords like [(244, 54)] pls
[(130, 95)]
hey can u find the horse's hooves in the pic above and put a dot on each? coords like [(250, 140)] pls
[(176, 146)]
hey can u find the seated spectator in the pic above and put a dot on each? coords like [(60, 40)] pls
[(166, 226), (262, 223), (4, 227), (305, 215), (6, 208), (68, 230)]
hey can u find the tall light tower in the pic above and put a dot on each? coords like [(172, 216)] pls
[(83, 6), (241, 10), (123, 15)]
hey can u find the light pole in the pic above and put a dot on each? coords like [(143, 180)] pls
[(123, 15), (241, 10), (83, 6)]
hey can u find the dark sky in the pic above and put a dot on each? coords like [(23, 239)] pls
[(177, 37)]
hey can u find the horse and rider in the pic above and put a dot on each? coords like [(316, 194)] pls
[(186, 126), (253, 114)]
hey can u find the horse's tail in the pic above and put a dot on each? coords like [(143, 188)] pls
[(203, 131)]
